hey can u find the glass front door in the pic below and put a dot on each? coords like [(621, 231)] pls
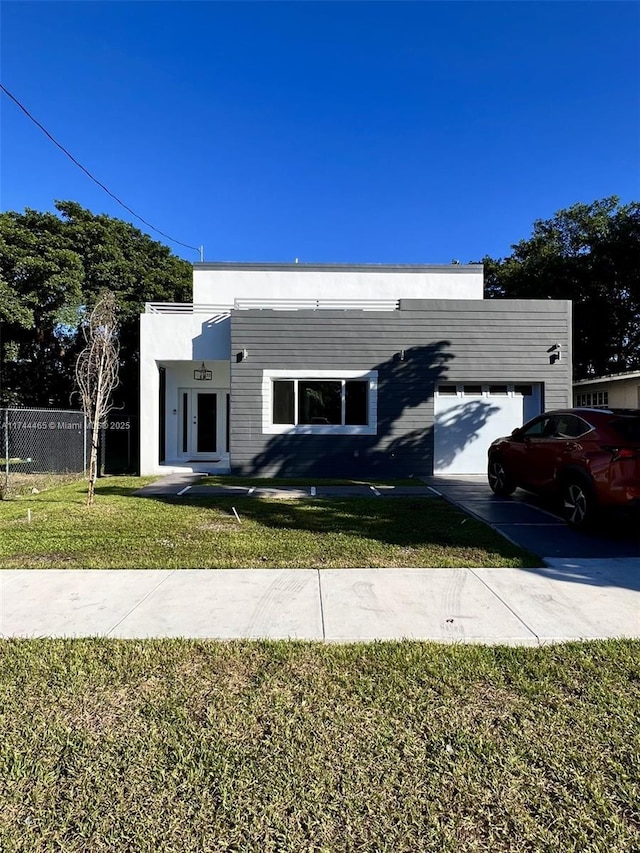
[(203, 423)]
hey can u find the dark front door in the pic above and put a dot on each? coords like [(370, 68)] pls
[(206, 422)]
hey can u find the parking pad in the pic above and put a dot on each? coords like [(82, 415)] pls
[(471, 492), (559, 540), (217, 491), (280, 493), (528, 520), (511, 513), (362, 491)]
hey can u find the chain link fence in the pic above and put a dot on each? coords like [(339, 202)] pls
[(38, 445), (41, 447)]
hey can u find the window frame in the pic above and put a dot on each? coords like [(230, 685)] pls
[(464, 389), (593, 400), (269, 376)]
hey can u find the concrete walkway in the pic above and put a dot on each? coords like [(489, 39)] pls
[(591, 599)]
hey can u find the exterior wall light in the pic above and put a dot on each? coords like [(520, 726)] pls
[(555, 353), (201, 374)]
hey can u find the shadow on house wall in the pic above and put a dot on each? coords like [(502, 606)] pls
[(403, 445), (459, 427)]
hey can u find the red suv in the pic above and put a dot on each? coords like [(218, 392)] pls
[(589, 458)]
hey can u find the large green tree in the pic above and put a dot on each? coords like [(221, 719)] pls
[(589, 253), (52, 269)]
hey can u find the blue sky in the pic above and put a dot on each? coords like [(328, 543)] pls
[(365, 132)]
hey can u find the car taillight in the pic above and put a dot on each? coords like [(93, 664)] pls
[(624, 452)]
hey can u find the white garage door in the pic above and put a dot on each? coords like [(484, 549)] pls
[(469, 416)]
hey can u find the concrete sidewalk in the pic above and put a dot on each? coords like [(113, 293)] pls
[(566, 601)]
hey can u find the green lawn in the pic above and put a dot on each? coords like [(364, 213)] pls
[(22, 484), (290, 747), (122, 531)]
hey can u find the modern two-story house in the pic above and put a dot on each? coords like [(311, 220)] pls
[(344, 370)]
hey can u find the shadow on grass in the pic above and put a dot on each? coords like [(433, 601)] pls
[(80, 495), (403, 522)]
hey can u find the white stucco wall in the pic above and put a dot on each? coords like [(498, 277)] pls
[(184, 337), (222, 286)]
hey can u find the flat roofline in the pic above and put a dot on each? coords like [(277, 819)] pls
[(614, 377), (321, 267)]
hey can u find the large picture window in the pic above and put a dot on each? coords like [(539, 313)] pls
[(334, 402)]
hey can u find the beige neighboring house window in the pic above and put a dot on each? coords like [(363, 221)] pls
[(593, 399)]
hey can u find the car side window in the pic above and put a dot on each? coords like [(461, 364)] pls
[(538, 429), (563, 427), (570, 426)]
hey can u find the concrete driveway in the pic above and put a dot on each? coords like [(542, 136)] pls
[(531, 523)]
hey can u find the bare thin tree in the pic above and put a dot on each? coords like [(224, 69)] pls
[(97, 374)]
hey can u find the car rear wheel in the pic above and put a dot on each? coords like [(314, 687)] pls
[(499, 481), (578, 503)]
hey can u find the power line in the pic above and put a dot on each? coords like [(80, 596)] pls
[(88, 173)]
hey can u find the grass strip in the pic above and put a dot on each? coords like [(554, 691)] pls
[(122, 531), (21, 484), (287, 747)]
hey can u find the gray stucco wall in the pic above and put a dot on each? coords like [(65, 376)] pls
[(444, 341)]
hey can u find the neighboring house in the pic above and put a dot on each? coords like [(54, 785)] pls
[(620, 390), (343, 370)]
